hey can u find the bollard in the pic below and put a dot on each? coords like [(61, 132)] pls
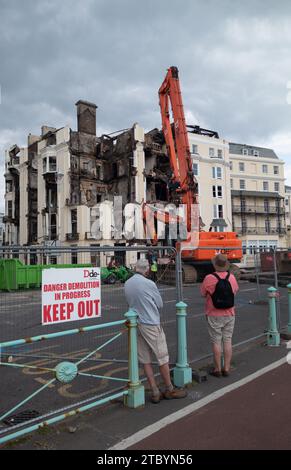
[(289, 302), (136, 393), (273, 336), (182, 371)]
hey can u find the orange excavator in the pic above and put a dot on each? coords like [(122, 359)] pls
[(199, 247)]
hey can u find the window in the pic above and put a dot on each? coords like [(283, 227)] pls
[(74, 221), (217, 191), (242, 184), (256, 153), (245, 151), (267, 226), (265, 168), (9, 186), (9, 207), (265, 185), (219, 153), (52, 164), (195, 169), (241, 166), (231, 183), (211, 152), (218, 211), (266, 205), (194, 148), (277, 187), (74, 254), (44, 165), (219, 172), (276, 170), (230, 165)]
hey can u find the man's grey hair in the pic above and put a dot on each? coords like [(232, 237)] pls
[(142, 266)]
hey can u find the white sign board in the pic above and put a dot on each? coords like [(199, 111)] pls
[(70, 294)]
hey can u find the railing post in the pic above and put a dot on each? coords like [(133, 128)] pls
[(136, 393), (289, 302), (273, 336), (182, 371)]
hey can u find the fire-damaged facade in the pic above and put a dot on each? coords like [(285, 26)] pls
[(57, 185)]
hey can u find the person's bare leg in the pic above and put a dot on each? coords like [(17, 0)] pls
[(150, 376), (165, 373), (227, 351), (216, 348)]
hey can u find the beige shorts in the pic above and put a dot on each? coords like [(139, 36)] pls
[(220, 328), (151, 340)]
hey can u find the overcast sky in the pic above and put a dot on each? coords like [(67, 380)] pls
[(234, 60)]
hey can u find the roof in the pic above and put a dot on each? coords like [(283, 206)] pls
[(263, 152)]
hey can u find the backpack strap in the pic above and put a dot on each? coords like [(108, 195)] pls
[(216, 275), (228, 275)]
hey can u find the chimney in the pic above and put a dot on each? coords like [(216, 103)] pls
[(86, 113)]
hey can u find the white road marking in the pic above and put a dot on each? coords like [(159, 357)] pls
[(153, 428)]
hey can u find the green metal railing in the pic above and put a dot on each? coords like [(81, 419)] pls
[(65, 372)]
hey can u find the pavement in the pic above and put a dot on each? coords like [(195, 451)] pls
[(253, 415)]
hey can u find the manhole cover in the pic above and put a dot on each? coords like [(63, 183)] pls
[(21, 417)]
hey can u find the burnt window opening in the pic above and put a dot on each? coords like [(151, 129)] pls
[(51, 139), (114, 170), (161, 191), (51, 199), (74, 221), (98, 198), (52, 226)]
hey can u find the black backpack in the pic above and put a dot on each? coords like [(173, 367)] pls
[(223, 296)]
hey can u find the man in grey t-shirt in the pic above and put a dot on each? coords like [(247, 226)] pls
[(143, 296)]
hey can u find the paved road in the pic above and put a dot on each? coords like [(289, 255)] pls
[(255, 416)]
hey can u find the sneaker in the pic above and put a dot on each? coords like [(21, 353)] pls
[(156, 398), (225, 373), (175, 393)]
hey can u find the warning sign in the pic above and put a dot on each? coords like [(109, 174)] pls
[(70, 294)]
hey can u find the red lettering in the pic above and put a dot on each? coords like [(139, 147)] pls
[(70, 309), (81, 309), (96, 302), (46, 314), (55, 313), (62, 312)]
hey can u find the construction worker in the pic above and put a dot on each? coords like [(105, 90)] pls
[(154, 270)]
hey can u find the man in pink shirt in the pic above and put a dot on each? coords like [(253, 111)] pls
[(219, 289)]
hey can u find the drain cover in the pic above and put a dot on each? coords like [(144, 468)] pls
[(21, 417)]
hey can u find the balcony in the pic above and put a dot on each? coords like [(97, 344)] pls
[(260, 231), (253, 210), (72, 237)]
